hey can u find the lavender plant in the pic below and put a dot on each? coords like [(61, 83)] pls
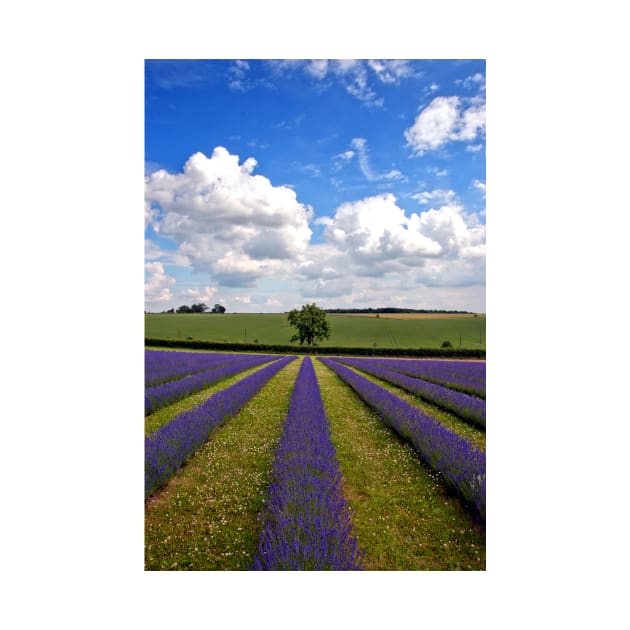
[(469, 408), (166, 450), (168, 365), (468, 377), (164, 394), (461, 465), (306, 524)]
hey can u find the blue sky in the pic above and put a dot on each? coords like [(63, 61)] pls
[(273, 183)]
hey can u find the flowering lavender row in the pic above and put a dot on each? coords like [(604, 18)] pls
[(469, 408), (159, 396), (167, 365), (306, 524), (167, 449), (461, 464), (468, 377)]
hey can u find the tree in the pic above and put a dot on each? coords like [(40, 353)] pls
[(218, 308), (311, 324), (198, 308)]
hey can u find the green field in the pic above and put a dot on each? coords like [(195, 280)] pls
[(352, 331)]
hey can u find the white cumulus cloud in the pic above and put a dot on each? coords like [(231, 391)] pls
[(445, 120), (459, 236), (228, 222), (374, 237), (203, 295), (157, 285), (374, 229)]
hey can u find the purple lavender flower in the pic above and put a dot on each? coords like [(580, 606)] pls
[(306, 524), (161, 366), (166, 450), (466, 376), (166, 393), (469, 408), (461, 464)]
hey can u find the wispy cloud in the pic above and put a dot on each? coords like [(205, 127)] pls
[(360, 150), (391, 70), (438, 195), (475, 81), (176, 73), (309, 169), (481, 186), (289, 125), (238, 76), (341, 159), (357, 76), (256, 143), (437, 172)]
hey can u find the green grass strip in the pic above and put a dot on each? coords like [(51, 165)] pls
[(206, 518), (404, 516)]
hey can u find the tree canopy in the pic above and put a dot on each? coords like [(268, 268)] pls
[(198, 308), (195, 308), (311, 324)]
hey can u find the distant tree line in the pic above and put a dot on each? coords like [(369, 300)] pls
[(196, 308), (391, 309)]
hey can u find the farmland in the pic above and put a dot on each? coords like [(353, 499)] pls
[(300, 463), (353, 331)]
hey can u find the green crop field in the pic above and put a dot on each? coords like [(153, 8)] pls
[(352, 331)]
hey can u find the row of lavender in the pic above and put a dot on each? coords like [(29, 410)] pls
[(465, 376), (461, 464), (164, 394), (469, 408), (166, 365), (167, 449), (306, 524)]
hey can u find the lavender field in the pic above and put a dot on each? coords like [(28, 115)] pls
[(269, 462)]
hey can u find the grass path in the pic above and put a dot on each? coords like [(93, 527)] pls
[(206, 518), (403, 516)]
